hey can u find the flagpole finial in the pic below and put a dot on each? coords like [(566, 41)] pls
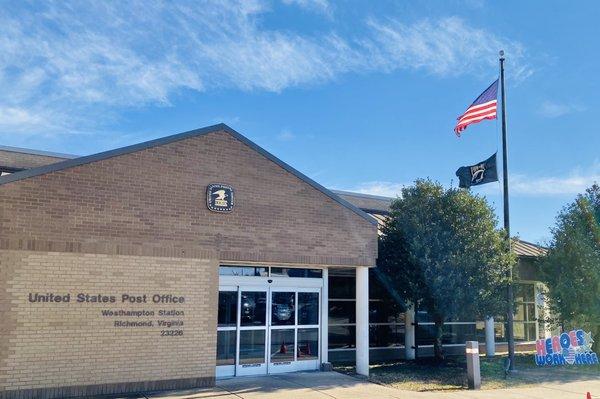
[(501, 54)]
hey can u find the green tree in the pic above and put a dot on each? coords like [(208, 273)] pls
[(572, 268), (441, 248)]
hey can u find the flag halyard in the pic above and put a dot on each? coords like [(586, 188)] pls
[(484, 107)]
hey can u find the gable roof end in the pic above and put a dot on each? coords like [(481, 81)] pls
[(70, 163)]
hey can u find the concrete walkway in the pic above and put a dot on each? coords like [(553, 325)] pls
[(313, 385)]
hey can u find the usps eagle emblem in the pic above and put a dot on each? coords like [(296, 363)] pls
[(219, 197)]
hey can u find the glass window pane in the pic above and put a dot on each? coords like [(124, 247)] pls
[(342, 312), (425, 334), (282, 345), (253, 308), (283, 307), (524, 292), (376, 289), (518, 292), (314, 273), (227, 308), (519, 331), (520, 314), (541, 330), (249, 271), (383, 312), (531, 335), (308, 308), (500, 332), (341, 337), (226, 348), (252, 346), (423, 317), (459, 333), (530, 316), (480, 331), (528, 291), (386, 336), (342, 287), (308, 343), (296, 272)]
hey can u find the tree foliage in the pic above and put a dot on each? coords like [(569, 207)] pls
[(572, 268), (441, 248)]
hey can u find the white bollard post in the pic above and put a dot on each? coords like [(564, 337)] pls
[(473, 369), (490, 339)]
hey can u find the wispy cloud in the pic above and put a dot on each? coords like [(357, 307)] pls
[(571, 184), (286, 135), (521, 184), (318, 6), (553, 109), (446, 46), (64, 64), (383, 188)]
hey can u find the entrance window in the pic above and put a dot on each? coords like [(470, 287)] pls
[(246, 271), (263, 271), (227, 308), (226, 348), (253, 308), (282, 345), (308, 308), (283, 308), (294, 272), (308, 343), (267, 326), (252, 346)]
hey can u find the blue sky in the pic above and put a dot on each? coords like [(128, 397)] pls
[(358, 95)]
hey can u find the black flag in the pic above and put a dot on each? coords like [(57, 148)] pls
[(483, 172)]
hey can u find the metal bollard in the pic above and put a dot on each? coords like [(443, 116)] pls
[(473, 369)]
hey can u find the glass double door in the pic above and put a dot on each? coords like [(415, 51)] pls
[(267, 330)]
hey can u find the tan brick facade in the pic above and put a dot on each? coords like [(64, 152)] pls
[(71, 344), (138, 222)]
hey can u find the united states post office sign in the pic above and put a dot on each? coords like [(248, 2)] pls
[(219, 197)]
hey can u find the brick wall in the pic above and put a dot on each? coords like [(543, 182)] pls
[(138, 223), (152, 202), (25, 161), (74, 347)]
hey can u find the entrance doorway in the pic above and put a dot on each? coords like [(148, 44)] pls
[(268, 326)]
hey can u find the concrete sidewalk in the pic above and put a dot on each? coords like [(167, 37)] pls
[(315, 385)]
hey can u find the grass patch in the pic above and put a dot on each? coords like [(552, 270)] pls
[(424, 375)]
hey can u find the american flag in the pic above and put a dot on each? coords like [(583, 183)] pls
[(484, 107)]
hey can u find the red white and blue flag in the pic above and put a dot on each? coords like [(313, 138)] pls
[(484, 107)]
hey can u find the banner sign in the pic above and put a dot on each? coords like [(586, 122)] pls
[(568, 348)]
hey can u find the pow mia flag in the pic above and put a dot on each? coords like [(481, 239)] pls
[(483, 172)]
